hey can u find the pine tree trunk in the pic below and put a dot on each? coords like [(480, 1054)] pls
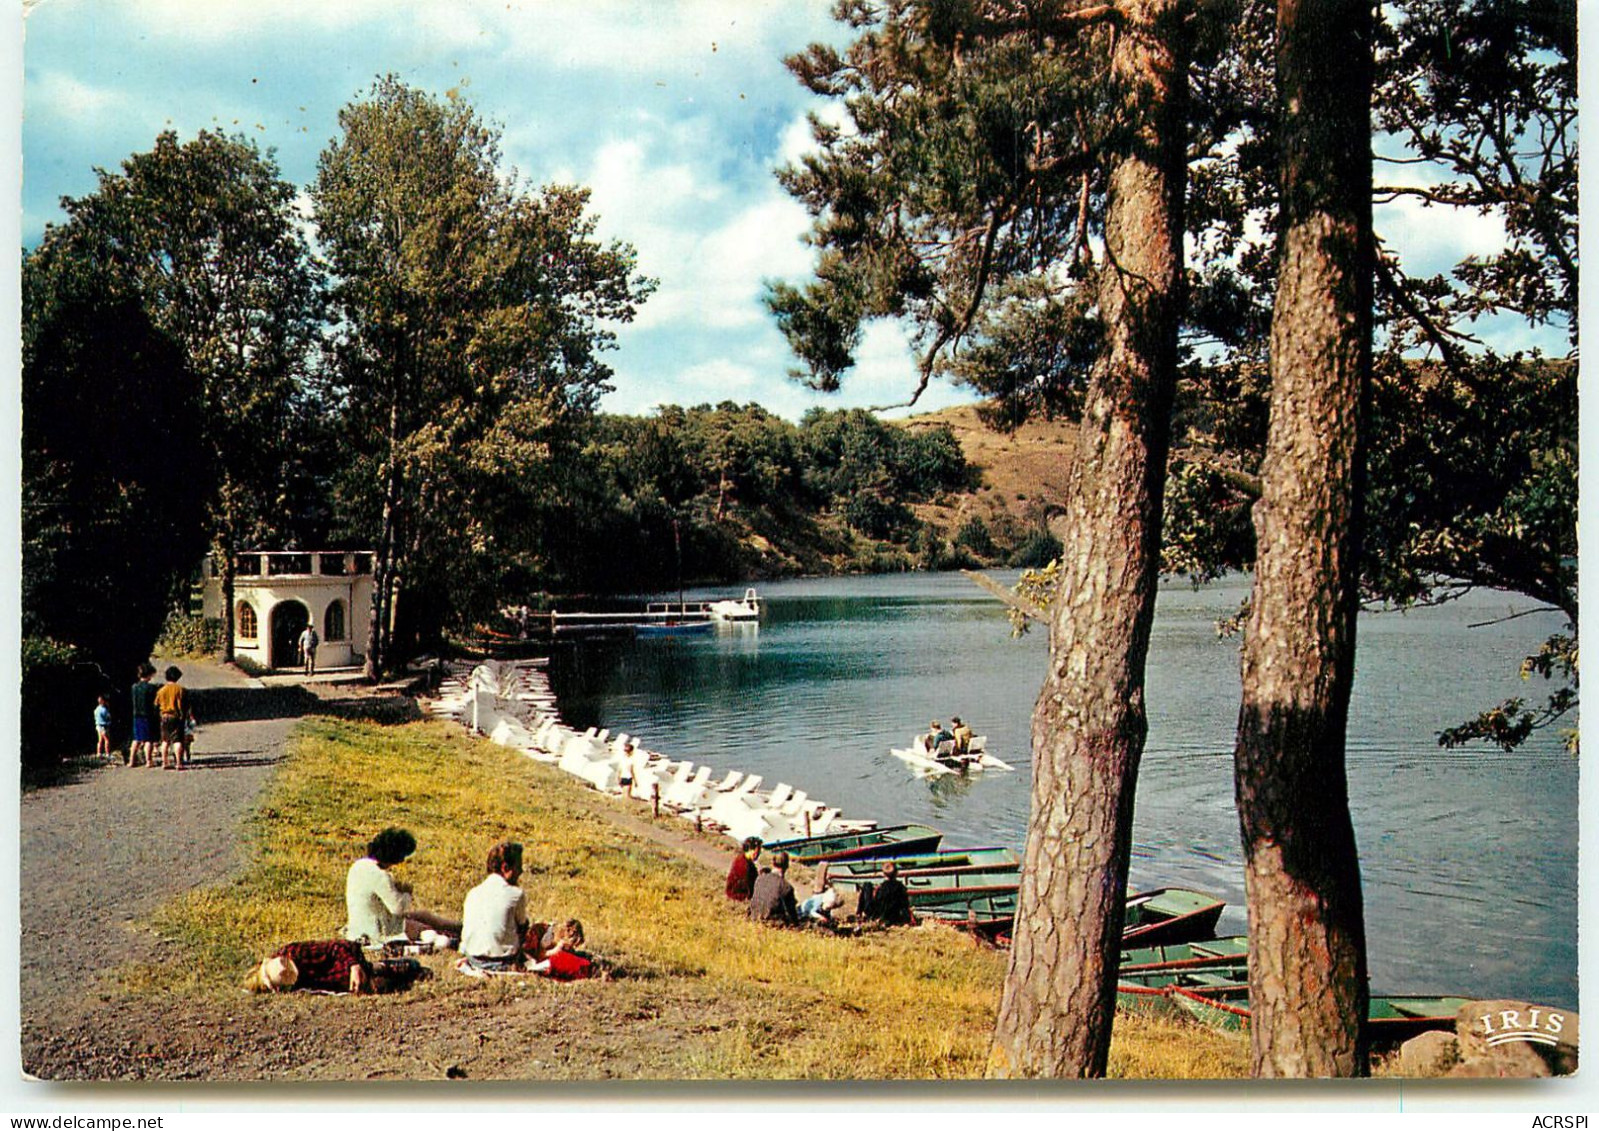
[(1089, 723), (1307, 956)]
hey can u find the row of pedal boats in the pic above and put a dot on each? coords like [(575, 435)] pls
[(510, 703), (1171, 959)]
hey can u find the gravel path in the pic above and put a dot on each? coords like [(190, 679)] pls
[(112, 844)]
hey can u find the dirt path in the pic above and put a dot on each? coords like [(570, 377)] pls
[(112, 844)]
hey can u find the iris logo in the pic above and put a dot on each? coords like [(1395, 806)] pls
[(1540, 1026)]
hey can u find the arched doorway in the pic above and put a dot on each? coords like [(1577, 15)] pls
[(289, 619)]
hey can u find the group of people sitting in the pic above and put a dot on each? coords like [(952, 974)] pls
[(494, 935), (772, 899), (958, 735)]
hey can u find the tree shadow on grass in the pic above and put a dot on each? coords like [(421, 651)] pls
[(244, 704), (241, 705)]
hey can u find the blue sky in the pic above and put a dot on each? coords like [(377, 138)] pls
[(673, 114)]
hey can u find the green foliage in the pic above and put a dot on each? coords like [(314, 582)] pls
[(1510, 724), (875, 516), (250, 667), (114, 475), (1038, 550), (472, 319), (957, 198), (733, 492), (973, 535), (185, 634)]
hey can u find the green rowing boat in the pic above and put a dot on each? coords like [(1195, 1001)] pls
[(1152, 918), (1390, 1018), (855, 872), (896, 840), (1189, 955), (1170, 915)]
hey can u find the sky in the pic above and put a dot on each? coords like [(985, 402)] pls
[(675, 115)]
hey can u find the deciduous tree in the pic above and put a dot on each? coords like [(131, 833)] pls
[(205, 235), (472, 317)]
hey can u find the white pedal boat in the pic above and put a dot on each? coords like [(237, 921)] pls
[(927, 765)]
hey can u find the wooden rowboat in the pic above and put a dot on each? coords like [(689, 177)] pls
[(896, 840), (1189, 955), (1170, 915), (935, 879), (1160, 917), (1134, 988), (1390, 1018), (931, 863)]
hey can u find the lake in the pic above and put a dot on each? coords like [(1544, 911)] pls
[(1468, 857)]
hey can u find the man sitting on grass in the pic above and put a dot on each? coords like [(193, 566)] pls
[(494, 917), (890, 903), (772, 901)]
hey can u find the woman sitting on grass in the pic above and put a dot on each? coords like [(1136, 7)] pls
[(379, 906)]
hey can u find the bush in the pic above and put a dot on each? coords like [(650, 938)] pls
[(187, 635), (876, 517), (1040, 548), (974, 536)]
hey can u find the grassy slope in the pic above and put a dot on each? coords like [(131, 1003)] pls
[(1026, 467), (703, 993)]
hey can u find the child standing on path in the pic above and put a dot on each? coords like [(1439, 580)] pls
[(102, 728), (146, 719), (171, 702)]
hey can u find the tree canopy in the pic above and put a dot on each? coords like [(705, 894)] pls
[(472, 317)]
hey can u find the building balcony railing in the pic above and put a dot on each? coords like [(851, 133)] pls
[(296, 563)]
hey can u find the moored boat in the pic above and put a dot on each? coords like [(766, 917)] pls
[(1163, 916), (929, 879), (895, 840), (932, 862), (1215, 983), (1170, 915), (983, 911), (746, 609), (1189, 955), (1390, 1018), (672, 628), (960, 887)]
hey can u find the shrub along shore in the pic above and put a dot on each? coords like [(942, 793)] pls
[(746, 1001)]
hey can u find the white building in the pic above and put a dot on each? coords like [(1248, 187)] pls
[(276, 593)]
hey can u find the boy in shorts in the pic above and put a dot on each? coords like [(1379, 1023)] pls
[(146, 719), (102, 728), (171, 702)]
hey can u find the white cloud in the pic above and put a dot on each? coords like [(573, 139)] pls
[(71, 99), (682, 38), (797, 140), (206, 21), (1433, 238), (710, 250)]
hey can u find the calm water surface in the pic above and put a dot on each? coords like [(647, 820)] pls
[(1469, 858)]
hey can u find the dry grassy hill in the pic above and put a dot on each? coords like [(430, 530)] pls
[(1023, 472)]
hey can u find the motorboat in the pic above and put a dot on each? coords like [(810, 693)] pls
[(747, 608)]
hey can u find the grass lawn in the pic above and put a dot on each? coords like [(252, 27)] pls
[(701, 992)]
